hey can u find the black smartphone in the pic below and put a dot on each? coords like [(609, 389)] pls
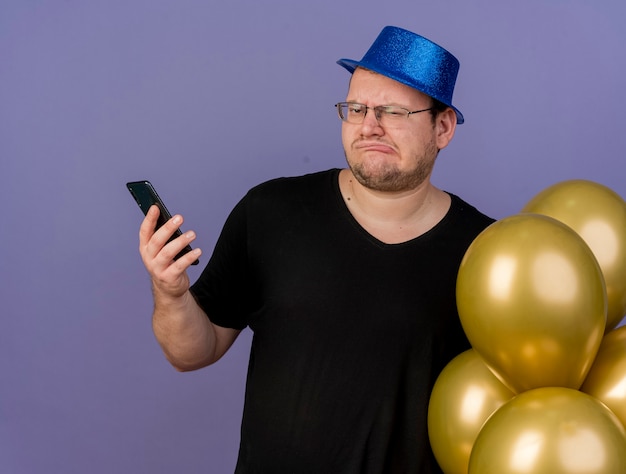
[(145, 195)]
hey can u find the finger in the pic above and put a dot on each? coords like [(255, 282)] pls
[(164, 233), (161, 236), (173, 248), (185, 261), (146, 230)]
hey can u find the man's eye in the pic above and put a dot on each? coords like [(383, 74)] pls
[(393, 112), (356, 109)]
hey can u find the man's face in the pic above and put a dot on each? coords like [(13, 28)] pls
[(391, 159)]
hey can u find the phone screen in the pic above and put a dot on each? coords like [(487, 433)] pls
[(145, 195)]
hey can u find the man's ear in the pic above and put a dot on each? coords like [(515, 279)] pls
[(445, 125)]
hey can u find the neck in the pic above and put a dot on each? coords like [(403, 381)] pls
[(394, 217)]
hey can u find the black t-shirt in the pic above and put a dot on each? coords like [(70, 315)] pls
[(350, 333)]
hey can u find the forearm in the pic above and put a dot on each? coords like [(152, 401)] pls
[(185, 333)]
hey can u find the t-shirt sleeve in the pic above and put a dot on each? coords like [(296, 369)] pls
[(223, 288)]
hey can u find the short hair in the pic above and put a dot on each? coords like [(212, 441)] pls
[(436, 108)]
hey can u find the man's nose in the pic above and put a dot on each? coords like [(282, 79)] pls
[(370, 121)]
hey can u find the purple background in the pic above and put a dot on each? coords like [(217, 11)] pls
[(206, 99)]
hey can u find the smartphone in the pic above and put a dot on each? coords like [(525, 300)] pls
[(145, 195)]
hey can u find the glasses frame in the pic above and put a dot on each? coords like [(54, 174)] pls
[(378, 111)]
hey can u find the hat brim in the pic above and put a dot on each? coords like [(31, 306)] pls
[(351, 65)]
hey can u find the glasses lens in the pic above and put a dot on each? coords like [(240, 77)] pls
[(351, 112), (390, 116), (387, 115)]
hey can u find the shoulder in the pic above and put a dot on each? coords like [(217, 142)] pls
[(280, 198), (312, 189), (463, 220), (466, 212), (294, 184)]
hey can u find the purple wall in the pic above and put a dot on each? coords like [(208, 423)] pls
[(206, 99)]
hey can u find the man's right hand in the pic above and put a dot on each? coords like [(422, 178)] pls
[(169, 276)]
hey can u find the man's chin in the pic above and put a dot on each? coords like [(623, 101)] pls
[(388, 179), (385, 181)]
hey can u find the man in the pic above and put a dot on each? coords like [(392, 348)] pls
[(346, 277)]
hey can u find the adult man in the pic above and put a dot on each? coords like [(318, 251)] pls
[(347, 278)]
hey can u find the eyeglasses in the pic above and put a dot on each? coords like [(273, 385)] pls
[(387, 115)]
